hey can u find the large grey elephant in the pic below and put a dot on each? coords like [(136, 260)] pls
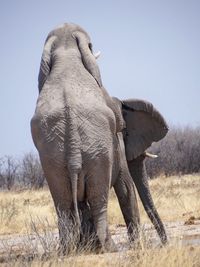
[(80, 132), (77, 130)]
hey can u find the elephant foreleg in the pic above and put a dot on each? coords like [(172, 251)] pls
[(128, 203)]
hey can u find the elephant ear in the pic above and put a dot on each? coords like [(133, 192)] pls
[(144, 125), (88, 59), (45, 65)]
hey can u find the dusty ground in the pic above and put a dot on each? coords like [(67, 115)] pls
[(179, 233)]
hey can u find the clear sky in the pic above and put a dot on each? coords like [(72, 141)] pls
[(149, 50)]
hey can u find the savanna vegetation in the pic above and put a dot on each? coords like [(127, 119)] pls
[(31, 213), (26, 209), (177, 198)]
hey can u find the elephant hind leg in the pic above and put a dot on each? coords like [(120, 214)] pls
[(88, 237), (60, 188), (97, 191)]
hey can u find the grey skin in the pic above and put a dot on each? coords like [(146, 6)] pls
[(76, 129), (144, 125)]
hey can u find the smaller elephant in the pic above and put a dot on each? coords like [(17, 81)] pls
[(144, 125)]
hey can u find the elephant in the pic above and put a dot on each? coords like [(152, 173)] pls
[(144, 125), (77, 130)]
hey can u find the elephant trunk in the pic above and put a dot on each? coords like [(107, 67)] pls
[(138, 172)]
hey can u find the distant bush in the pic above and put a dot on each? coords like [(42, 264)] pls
[(178, 153), (31, 173), (24, 173), (8, 172)]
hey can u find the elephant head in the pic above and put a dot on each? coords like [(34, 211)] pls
[(68, 36), (144, 125)]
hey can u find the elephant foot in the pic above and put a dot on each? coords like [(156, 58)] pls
[(69, 236), (110, 246), (88, 242), (92, 243), (164, 239), (65, 248), (136, 245), (88, 237), (134, 233)]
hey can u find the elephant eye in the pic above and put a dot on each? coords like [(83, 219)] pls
[(90, 46)]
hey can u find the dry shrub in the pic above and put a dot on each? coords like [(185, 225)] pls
[(25, 172), (178, 153), (8, 172)]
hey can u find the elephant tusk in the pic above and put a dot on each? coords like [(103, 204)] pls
[(149, 155), (96, 55)]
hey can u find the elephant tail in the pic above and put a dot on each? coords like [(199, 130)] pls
[(74, 164), (73, 140), (73, 157), (74, 182)]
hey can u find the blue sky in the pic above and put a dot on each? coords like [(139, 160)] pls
[(149, 50)]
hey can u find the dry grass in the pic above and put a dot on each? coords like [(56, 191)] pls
[(165, 257), (149, 258), (177, 198), (21, 206)]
